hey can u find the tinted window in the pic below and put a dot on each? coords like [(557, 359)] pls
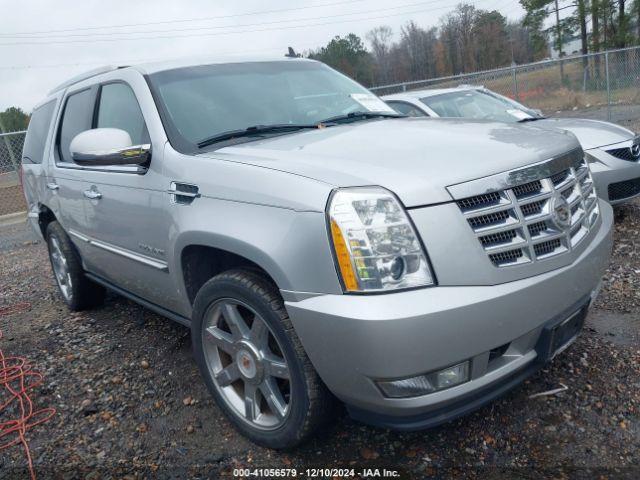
[(78, 113), (119, 108), (407, 109), (39, 124)]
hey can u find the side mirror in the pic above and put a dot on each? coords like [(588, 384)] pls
[(107, 146)]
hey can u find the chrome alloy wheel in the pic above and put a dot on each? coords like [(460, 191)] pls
[(60, 267), (246, 363)]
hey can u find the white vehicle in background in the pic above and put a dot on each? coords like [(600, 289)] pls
[(613, 151)]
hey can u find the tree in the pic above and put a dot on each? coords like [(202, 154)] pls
[(13, 119), (417, 49), (349, 56), (380, 40), (636, 10), (623, 25), (525, 45), (467, 39), (475, 39), (457, 29), (595, 25), (491, 41), (448, 39), (582, 22), (536, 14)]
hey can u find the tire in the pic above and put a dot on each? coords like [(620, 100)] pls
[(77, 291), (256, 298)]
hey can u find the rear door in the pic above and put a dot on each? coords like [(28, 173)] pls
[(65, 181), (36, 146)]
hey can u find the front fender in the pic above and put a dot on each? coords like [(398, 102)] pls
[(291, 246)]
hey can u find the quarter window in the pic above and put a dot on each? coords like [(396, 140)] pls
[(118, 108), (33, 151)]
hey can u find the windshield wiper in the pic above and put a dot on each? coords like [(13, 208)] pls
[(360, 116), (531, 119), (292, 127), (254, 130)]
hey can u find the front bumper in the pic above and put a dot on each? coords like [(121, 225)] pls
[(611, 173), (353, 340), (477, 398)]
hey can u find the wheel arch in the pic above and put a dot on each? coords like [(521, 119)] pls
[(45, 217), (201, 255)]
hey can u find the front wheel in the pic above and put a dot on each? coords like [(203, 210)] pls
[(253, 362)]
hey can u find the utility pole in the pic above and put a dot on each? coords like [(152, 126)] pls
[(559, 37)]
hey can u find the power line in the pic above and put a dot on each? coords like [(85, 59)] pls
[(59, 42), (145, 60), (196, 19), (216, 27)]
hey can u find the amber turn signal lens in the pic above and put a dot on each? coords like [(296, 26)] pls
[(344, 258)]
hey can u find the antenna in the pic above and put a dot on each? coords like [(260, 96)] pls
[(292, 53)]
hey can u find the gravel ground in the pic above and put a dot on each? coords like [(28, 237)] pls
[(130, 402)]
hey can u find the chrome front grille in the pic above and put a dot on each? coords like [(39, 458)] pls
[(518, 225)]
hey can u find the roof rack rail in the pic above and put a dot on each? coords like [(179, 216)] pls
[(83, 76)]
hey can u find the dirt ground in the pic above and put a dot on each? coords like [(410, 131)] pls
[(11, 200), (130, 402)]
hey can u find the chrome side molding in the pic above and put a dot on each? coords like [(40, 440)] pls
[(123, 252)]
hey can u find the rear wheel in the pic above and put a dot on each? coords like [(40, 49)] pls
[(253, 362), (76, 289)]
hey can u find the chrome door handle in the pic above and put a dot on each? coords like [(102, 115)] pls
[(92, 194), (53, 186)]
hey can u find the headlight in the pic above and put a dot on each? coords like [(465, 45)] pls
[(375, 245)]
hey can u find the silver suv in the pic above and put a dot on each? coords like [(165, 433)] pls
[(318, 244)]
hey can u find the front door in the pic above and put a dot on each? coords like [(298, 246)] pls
[(126, 224)]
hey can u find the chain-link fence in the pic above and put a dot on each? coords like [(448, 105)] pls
[(11, 198), (604, 86)]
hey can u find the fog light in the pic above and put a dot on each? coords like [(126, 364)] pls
[(453, 376), (428, 383)]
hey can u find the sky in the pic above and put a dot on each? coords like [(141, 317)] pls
[(44, 43)]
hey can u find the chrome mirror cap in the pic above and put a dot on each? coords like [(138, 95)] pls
[(107, 146)]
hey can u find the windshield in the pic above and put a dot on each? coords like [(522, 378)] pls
[(204, 101), (479, 104)]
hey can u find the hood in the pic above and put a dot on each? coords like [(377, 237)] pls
[(416, 158), (590, 133)]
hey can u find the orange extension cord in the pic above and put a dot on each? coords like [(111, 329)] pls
[(18, 377)]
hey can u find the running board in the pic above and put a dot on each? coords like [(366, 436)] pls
[(145, 303)]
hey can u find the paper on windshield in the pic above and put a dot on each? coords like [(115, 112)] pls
[(519, 114), (371, 102)]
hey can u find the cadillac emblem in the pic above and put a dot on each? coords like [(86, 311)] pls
[(560, 212)]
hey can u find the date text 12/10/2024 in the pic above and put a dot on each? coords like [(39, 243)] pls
[(315, 473)]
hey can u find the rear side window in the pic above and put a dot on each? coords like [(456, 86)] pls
[(33, 151), (78, 114), (118, 108), (407, 109)]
